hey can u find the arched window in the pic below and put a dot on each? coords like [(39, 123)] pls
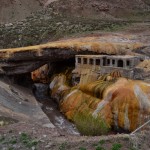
[(84, 60), (98, 62), (128, 63), (91, 61), (120, 63), (108, 61), (113, 61), (79, 60), (104, 61)]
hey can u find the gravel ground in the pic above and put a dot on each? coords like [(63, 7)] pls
[(26, 136)]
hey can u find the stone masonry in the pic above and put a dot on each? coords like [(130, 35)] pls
[(104, 64)]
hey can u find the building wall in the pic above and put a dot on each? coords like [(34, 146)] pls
[(126, 62), (88, 68)]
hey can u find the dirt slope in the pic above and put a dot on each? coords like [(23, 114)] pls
[(11, 10), (101, 8)]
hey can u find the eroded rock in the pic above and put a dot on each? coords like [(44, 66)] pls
[(18, 103), (27, 59), (122, 103)]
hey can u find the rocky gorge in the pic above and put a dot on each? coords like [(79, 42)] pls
[(101, 98), (109, 103), (80, 82)]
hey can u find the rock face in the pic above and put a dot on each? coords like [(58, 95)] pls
[(19, 103), (143, 71), (121, 103), (41, 91), (41, 74)]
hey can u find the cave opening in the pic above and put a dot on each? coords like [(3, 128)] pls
[(41, 93), (61, 66), (50, 107), (23, 80)]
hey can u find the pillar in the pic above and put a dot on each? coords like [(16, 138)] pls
[(76, 61), (101, 62), (124, 63), (116, 63), (111, 63)]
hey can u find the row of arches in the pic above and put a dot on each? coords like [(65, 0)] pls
[(104, 62)]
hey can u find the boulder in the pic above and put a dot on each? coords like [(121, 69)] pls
[(41, 91)]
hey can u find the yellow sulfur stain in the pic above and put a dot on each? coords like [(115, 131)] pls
[(117, 103)]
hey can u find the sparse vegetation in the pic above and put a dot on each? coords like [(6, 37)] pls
[(13, 141), (82, 148), (10, 148), (99, 146), (6, 121), (34, 31), (63, 146), (139, 16), (24, 139), (116, 146), (2, 139), (88, 125), (27, 140)]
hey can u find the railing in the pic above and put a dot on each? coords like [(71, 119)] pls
[(139, 137), (138, 129)]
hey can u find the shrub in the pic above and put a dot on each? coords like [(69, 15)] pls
[(82, 148), (99, 146), (88, 125), (116, 146), (27, 141), (63, 146)]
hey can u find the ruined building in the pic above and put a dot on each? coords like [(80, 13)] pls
[(90, 67)]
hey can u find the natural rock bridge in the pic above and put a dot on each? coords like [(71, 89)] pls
[(26, 59)]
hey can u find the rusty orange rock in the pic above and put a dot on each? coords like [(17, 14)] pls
[(41, 74), (122, 103)]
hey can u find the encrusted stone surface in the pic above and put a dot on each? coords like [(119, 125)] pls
[(122, 103)]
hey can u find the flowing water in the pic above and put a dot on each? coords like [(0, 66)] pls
[(51, 109)]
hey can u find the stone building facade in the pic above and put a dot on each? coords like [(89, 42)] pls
[(104, 64)]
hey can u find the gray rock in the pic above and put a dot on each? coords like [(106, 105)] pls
[(41, 91)]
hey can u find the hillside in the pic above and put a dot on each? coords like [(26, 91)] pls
[(101, 8), (14, 10), (11, 10)]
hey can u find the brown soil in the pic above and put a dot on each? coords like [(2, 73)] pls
[(14, 10), (51, 139), (104, 8)]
